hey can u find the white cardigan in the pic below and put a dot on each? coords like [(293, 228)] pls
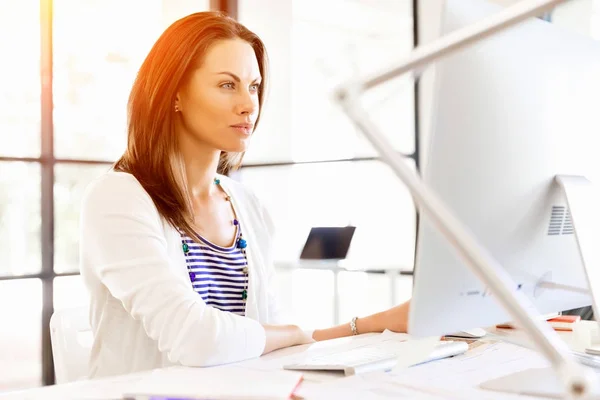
[(144, 312)]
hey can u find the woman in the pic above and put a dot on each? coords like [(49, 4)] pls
[(175, 254)]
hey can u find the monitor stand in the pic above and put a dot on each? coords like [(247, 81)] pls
[(584, 205)]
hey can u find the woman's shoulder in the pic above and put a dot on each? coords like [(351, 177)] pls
[(116, 187), (114, 182)]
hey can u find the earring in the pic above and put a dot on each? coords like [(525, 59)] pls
[(176, 108)]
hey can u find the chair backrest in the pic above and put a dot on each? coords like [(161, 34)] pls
[(71, 337)]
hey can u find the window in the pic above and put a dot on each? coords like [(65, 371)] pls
[(344, 40), (69, 292), (71, 180), (20, 79), (95, 68), (313, 52), (98, 45), (348, 40), (19, 218), (20, 336), (365, 194), (363, 294)]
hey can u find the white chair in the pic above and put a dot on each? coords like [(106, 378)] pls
[(71, 338)]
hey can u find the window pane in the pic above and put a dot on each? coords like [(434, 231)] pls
[(311, 54), (71, 182), (312, 298), (385, 213), (329, 49), (94, 68), (362, 294), (403, 288), (272, 22), (20, 78), (69, 292), (364, 194), (20, 336), (20, 218)]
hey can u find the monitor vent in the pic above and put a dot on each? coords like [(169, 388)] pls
[(568, 224), (560, 222)]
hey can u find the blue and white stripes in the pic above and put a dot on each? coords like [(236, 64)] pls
[(218, 274)]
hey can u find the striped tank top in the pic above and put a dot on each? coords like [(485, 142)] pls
[(218, 274)]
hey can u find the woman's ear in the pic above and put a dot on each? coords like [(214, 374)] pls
[(177, 105)]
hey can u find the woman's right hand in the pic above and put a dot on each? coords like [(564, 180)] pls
[(280, 336)]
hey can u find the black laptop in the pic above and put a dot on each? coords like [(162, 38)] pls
[(327, 243)]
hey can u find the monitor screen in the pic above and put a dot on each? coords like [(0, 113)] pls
[(327, 243)]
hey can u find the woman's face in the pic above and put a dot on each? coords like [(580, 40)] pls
[(219, 104)]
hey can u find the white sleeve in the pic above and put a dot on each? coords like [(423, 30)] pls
[(125, 248)]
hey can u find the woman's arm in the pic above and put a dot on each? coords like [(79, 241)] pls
[(280, 336), (394, 319)]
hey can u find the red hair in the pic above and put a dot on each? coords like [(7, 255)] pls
[(152, 148)]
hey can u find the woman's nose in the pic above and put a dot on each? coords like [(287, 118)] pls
[(247, 105)]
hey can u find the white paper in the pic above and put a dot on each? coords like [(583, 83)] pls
[(451, 378), (385, 386), (487, 361), (227, 382), (96, 389), (363, 387)]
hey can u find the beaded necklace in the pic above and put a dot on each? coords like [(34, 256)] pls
[(240, 243)]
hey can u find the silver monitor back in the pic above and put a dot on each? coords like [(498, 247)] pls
[(511, 113)]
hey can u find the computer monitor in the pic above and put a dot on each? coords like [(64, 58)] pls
[(328, 243), (511, 112)]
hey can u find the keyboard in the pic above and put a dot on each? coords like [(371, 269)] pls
[(587, 359), (371, 357)]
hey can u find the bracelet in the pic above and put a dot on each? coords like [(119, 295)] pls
[(353, 326)]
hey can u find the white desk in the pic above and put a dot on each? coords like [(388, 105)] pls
[(455, 378)]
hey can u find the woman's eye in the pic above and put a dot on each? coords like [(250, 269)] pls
[(255, 87), (228, 85)]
